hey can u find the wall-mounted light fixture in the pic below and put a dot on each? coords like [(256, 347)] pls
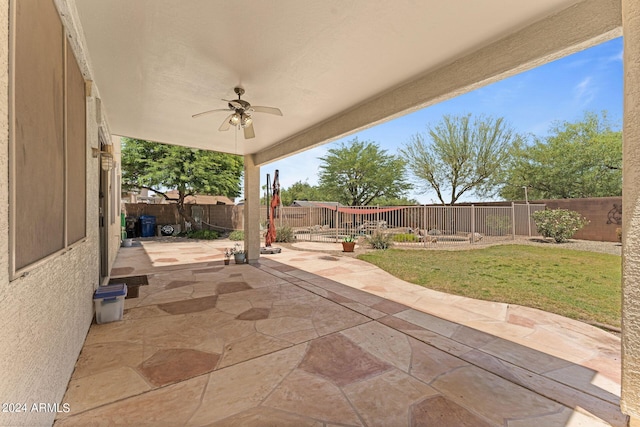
[(106, 158)]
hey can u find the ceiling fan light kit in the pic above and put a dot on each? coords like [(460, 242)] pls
[(241, 112), (242, 120)]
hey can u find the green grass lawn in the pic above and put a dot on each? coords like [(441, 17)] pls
[(581, 285)]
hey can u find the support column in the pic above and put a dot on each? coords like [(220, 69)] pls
[(251, 208), (630, 402), (5, 184)]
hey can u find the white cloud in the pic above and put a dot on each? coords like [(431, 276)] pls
[(617, 57), (504, 94), (578, 63), (584, 92)]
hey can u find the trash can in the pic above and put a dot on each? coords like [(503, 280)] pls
[(131, 227), (147, 225)]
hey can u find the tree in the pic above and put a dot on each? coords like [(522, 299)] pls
[(385, 201), (305, 191), (462, 157), (301, 191), (357, 172), (581, 159), (298, 191), (157, 167)]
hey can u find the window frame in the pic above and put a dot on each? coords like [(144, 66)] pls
[(14, 271)]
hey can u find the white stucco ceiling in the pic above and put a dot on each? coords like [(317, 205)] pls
[(158, 62)]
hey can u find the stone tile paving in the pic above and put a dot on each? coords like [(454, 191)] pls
[(270, 344)]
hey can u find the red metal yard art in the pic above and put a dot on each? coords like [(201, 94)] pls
[(275, 202)]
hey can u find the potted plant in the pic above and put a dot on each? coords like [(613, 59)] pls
[(227, 255), (348, 244), (239, 254)]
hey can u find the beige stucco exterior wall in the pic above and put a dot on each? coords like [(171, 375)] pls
[(631, 211), (115, 230), (251, 208), (45, 315), (4, 145)]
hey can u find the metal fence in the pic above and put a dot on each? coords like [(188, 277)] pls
[(412, 226)]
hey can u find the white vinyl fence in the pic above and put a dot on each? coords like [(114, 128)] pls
[(412, 226)]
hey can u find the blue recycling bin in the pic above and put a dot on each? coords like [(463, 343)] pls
[(147, 225)]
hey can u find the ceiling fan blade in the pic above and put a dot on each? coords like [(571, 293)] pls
[(249, 132), (226, 124), (210, 111), (234, 102), (269, 110)]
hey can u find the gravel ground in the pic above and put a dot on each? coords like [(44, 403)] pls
[(613, 248)]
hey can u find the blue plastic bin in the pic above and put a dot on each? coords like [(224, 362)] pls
[(147, 225), (109, 302)]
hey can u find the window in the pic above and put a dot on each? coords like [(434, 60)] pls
[(48, 137), (76, 131)]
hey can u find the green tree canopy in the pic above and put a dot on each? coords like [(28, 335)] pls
[(298, 191), (581, 159), (305, 191), (356, 173), (401, 201), (462, 156), (301, 191), (158, 167)]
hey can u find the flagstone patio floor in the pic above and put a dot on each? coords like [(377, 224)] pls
[(304, 338)]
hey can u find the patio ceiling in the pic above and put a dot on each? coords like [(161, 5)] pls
[(332, 67)]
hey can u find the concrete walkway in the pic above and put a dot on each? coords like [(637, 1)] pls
[(552, 334), (307, 338)]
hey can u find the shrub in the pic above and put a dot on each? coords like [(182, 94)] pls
[(285, 234), (203, 234), (405, 237), (380, 240), (560, 224), (619, 234), (236, 235)]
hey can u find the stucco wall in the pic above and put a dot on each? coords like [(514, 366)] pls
[(630, 401), (45, 315), (44, 318), (4, 146), (115, 229), (602, 213), (251, 208)]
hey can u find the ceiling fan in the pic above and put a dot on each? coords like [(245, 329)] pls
[(241, 112)]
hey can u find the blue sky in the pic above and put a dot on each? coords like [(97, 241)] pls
[(562, 90)]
